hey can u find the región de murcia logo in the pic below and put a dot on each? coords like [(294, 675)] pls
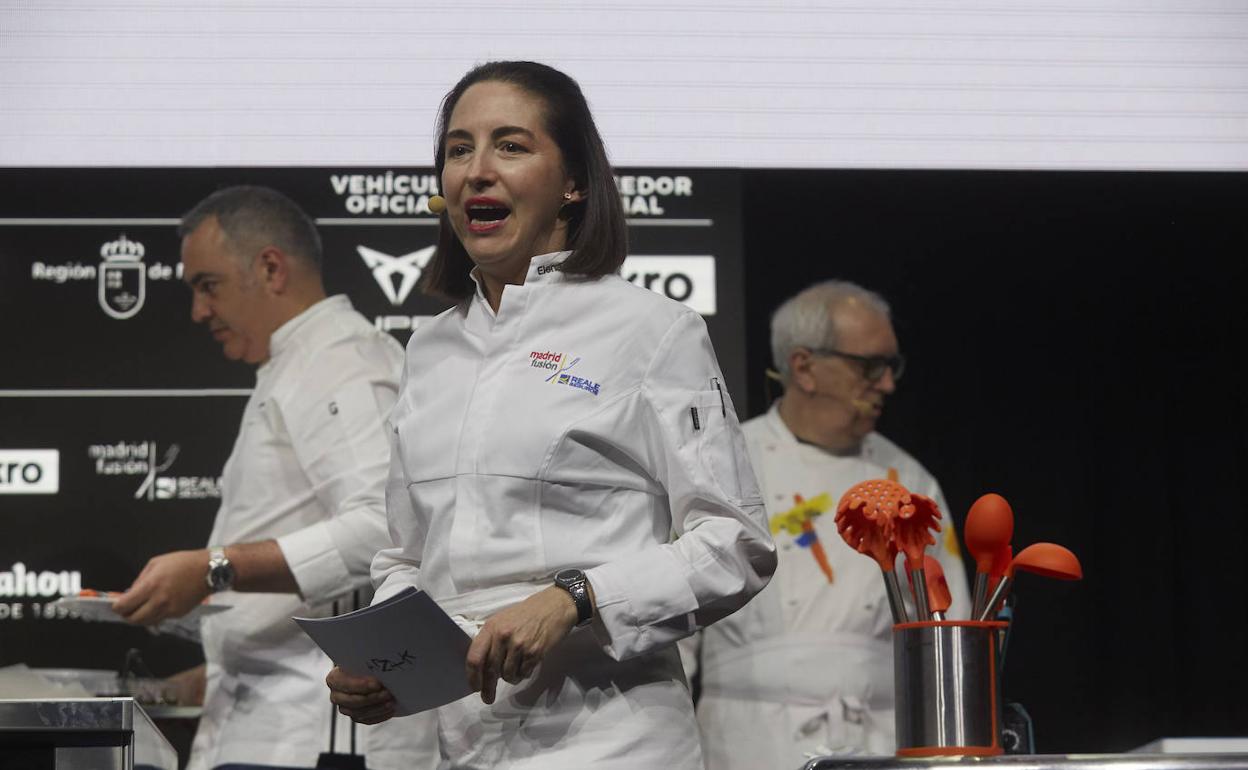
[(123, 284), (121, 277)]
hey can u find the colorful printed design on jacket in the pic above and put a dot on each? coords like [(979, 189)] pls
[(950, 541), (799, 522)]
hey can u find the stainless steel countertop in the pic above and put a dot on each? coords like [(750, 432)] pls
[(1041, 762), (93, 714), (90, 722)]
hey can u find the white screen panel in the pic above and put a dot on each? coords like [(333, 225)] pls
[(943, 84)]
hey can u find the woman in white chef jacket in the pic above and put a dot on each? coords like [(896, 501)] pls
[(553, 429)]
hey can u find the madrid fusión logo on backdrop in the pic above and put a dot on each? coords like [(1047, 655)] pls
[(146, 464)]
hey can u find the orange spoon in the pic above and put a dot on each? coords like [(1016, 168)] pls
[(1001, 562), (866, 518), (989, 527), (1045, 559)]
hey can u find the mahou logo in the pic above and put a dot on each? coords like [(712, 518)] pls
[(20, 581)]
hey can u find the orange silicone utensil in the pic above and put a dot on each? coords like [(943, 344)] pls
[(916, 521), (938, 595), (989, 527), (866, 519), (1045, 559), (999, 566), (1048, 560)]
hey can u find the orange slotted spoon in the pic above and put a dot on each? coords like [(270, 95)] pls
[(866, 518), (915, 523)]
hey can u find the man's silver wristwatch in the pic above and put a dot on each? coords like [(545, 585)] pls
[(575, 583), (220, 575)]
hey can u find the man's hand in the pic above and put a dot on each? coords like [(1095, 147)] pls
[(514, 640), (360, 697), (168, 587)]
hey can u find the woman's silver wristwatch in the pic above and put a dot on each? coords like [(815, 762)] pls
[(220, 575), (577, 585)]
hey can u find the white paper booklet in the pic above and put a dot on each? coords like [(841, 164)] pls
[(407, 642)]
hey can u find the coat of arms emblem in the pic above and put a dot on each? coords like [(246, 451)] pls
[(123, 282)]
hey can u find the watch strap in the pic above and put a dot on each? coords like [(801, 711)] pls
[(220, 575), (577, 586)]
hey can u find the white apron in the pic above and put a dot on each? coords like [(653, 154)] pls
[(579, 709)]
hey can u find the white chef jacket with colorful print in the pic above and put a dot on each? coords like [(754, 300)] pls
[(579, 426), (806, 667), (308, 469)]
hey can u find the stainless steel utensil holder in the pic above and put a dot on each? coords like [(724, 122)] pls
[(947, 688)]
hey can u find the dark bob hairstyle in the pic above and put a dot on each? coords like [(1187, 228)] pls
[(596, 232)]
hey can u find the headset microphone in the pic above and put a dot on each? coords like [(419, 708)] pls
[(437, 204), (866, 408)]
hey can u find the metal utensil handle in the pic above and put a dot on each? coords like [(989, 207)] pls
[(895, 601), (997, 596), (978, 594), (919, 581)]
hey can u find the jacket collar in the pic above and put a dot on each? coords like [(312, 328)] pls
[(307, 322), (544, 268)]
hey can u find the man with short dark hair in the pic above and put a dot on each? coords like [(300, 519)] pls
[(806, 667), (302, 511)]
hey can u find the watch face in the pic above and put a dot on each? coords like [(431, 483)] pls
[(221, 576), (569, 576)]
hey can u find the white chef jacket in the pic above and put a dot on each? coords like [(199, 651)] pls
[(579, 426), (308, 468), (807, 668)]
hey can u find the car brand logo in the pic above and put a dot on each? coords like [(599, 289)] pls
[(406, 269)]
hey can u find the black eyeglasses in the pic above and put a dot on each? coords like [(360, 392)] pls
[(873, 367)]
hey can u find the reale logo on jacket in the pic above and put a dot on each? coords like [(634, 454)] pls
[(559, 364)]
